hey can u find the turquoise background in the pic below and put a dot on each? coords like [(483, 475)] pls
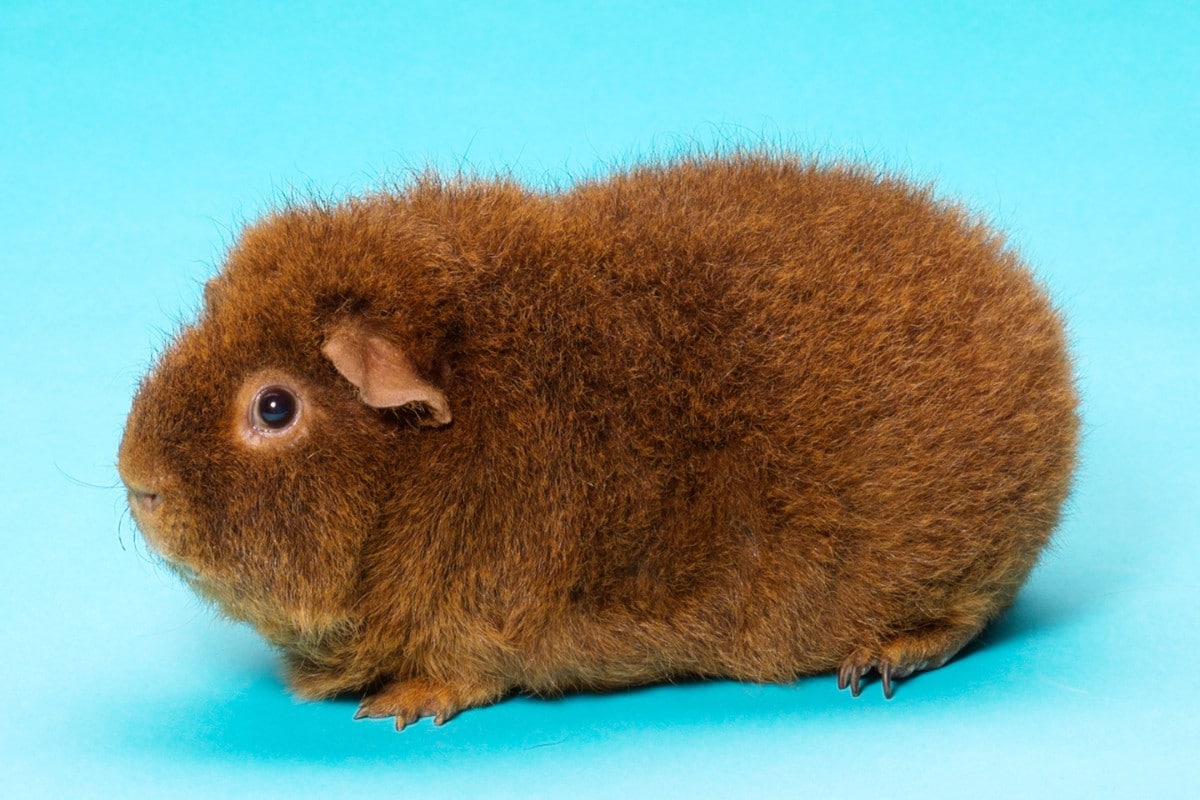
[(135, 141)]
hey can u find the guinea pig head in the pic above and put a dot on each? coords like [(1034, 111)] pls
[(259, 450)]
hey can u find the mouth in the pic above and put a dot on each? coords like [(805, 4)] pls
[(230, 602), (200, 584), (192, 579), (188, 574)]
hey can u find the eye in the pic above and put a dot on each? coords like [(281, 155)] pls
[(274, 409)]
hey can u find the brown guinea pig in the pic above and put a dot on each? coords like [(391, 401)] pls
[(743, 416)]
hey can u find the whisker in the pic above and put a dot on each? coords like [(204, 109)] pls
[(80, 482), (125, 515)]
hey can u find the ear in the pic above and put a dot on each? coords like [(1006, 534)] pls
[(383, 373)]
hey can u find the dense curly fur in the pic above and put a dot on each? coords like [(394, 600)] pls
[(742, 416)]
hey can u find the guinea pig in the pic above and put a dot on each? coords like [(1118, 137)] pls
[(744, 416)]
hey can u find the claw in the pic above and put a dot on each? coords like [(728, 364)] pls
[(852, 672), (444, 716), (850, 675), (855, 681)]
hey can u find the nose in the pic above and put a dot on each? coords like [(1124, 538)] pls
[(141, 499)]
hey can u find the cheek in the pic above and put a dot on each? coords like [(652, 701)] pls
[(296, 529), (281, 528)]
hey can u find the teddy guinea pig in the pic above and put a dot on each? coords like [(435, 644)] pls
[(743, 417)]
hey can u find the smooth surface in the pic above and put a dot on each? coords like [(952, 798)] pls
[(134, 142)]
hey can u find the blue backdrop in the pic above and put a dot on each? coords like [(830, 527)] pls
[(134, 142)]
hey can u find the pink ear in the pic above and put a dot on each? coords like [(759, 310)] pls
[(383, 374)]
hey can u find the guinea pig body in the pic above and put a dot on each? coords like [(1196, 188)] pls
[(740, 417)]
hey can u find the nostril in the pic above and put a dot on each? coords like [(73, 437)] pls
[(146, 501)]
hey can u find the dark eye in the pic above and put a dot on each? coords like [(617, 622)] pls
[(274, 408)]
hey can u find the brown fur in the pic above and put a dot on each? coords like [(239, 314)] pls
[(741, 416)]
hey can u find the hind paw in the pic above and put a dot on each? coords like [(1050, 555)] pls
[(411, 699), (861, 665), (904, 655)]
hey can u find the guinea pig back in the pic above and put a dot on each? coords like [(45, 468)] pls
[(743, 416)]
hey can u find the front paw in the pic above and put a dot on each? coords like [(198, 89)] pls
[(409, 700)]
